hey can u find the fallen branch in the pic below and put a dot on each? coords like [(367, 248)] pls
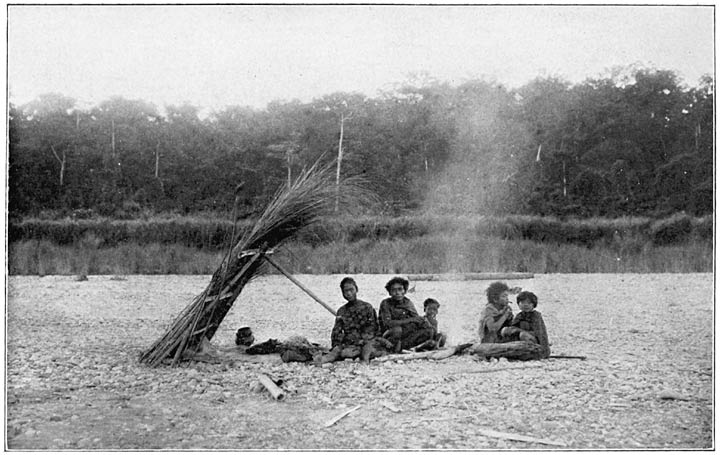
[(471, 276), (579, 357), (390, 406), (493, 370), (438, 419), (518, 437), (335, 419), (270, 386), (433, 355), (521, 350)]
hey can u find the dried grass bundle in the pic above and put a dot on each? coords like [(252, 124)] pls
[(310, 197)]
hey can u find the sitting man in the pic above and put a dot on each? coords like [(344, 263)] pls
[(355, 327), (399, 321)]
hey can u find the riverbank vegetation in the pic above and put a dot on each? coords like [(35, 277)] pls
[(214, 233), (410, 244)]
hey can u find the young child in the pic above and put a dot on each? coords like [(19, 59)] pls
[(432, 307), (497, 313), (528, 325)]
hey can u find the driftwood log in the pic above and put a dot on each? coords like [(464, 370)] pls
[(470, 276), (520, 350), (433, 355)]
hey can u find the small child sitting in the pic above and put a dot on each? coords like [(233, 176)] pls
[(432, 307), (528, 325)]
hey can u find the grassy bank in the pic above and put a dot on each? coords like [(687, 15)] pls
[(209, 233), (425, 254)]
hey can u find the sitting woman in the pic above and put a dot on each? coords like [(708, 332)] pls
[(496, 315), (399, 320)]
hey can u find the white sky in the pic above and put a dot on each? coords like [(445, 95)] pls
[(212, 56)]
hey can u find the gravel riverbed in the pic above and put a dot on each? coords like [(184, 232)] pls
[(73, 381)]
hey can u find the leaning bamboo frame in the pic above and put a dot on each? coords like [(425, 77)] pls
[(293, 208)]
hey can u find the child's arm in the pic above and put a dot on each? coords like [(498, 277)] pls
[(494, 325)]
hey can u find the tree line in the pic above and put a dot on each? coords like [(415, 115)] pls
[(637, 141)]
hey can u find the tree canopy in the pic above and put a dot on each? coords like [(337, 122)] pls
[(636, 142)]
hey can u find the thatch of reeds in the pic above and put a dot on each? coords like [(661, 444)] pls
[(293, 208)]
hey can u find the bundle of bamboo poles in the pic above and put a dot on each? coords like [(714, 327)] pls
[(312, 195)]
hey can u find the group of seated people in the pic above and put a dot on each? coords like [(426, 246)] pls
[(397, 326)]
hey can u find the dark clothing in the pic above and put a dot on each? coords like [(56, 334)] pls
[(391, 310), (266, 347), (298, 349), (353, 320), (525, 320), (409, 334), (533, 323)]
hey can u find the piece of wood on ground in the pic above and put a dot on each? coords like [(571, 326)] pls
[(470, 276), (521, 350), (276, 392), (335, 419), (562, 356), (670, 395), (434, 355), (493, 370), (518, 437), (390, 406)]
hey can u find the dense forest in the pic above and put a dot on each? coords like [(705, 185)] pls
[(635, 142)]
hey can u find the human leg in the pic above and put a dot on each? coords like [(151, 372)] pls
[(428, 345), (414, 338), (394, 336), (440, 339), (331, 356), (527, 336)]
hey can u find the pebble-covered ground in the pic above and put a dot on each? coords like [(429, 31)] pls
[(73, 382)]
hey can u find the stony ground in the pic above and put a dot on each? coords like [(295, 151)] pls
[(73, 382)]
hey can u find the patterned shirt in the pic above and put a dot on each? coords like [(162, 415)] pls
[(352, 321), (391, 310)]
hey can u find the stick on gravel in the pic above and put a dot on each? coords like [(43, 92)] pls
[(293, 208), (270, 386), (518, 437), (335, 419)]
